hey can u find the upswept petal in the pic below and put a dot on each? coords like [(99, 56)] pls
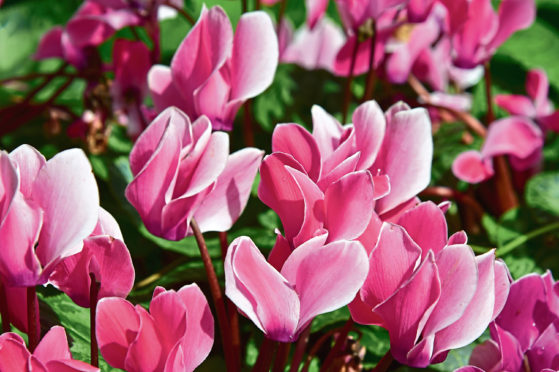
[(517, 136), (169, 314), (321, 276), (9, 184), (370, 126), (348, 206), (392, 263), (514, 15), (472, 167), (14, 355), (405, 156), (294, 140), (163, 90), (315, 11), (254, 56), (260, 291), (107, 225), (225, 203), (516, 104), (326, 131), (50, 44), (405, 312), (477, 315), (117, 325), (537, 87), (145, 353), (29, 162), (426, 225), (53, 346)]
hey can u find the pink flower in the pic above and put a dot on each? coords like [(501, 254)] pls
[(176, 334), (182, 171), (48, 208), (355, 13), (105, 256), (518, 137), (536, 106), (315, 279), (431, 293), (395, 147), (132, 61), (51, 355), (526, 333), (93, 23), (484, 31), (314, 48), (213, 72)]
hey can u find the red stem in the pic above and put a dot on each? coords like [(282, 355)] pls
[(216, 295), (283, 6), (281, 356), (369, 84), (33, 322), (384, 363), (337, 348), (93, 298), (248, 130), (349, 80), (4, 311), (265, 356), (300, 349)]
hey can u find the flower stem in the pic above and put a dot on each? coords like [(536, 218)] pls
[(4, 311), (369, 83), (384, 363), (281, 14), (216, 296), (33, 323), (93, 298), (515, 243), (247, 130), (349, 80), (338, 345), (265, 356), (300, 349), (281, 356)]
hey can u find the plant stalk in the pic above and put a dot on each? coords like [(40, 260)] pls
[(33, 322), (93, 299)]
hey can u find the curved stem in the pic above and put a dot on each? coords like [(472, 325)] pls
[(93, 297), (369, 84), (265, 356), (33, 323), (4, 311), (300, 349), (349, 80), (216, 295), (384, 363), (515, 243)]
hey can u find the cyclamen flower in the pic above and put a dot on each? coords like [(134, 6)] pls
[(396, 147), (213, 72), (176, 334), (315, 279), (51, 355), (484, 31), (431, 293), (182, 171), (47, 209), (536, 105), (518, 137), (105, 256), (526, 333)]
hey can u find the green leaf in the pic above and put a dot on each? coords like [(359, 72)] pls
[(542, 192), (377, 342), (325, 320)]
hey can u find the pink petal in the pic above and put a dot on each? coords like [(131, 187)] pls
[(117, 326), (294, 140), (29, 161), (426, 225), (537, 87), (405, 312), (392, 262), (70, 366), (477, 315), (19, 232), (169, 313), (163, 90), (280, 252), (9, 184), (513, 16), (326, 131), (107, 225), (66, 190), (516, 104), (320, 275), (210, 41), (342, 64), (371, 234), (405, 156), (211, 98), (346, 166), (254, 56), (145, 353), (502, 287), (515, 136), (419, 9), (315, 11), (279, 191), (458, 275), (260, 291), (471, 167), (50, 44), (370, 126), (362, 313), (14, 355), (459, 237), (349, 206), (132, 62), (225, 203), (199, 337), (53, 346)]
